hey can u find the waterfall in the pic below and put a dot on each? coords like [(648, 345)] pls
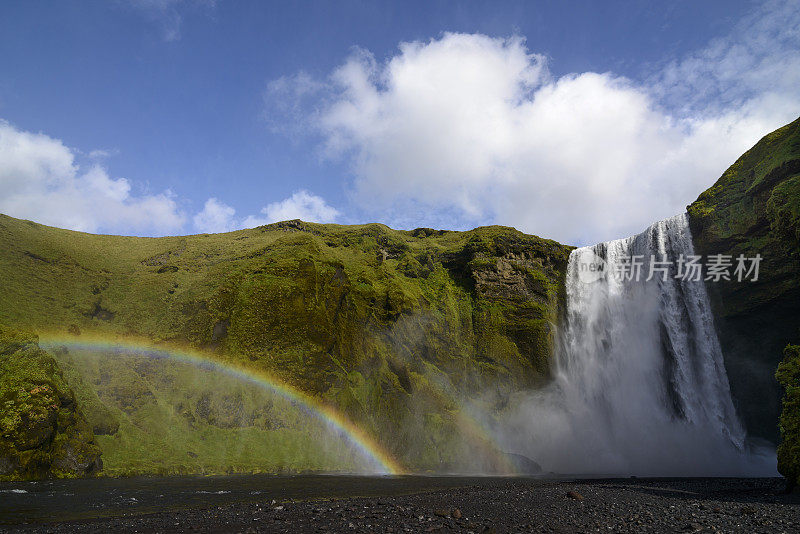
[(639, 383)]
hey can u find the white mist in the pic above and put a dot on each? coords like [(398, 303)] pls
[(640, 386)]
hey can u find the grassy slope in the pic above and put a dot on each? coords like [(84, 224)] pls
[(754, 208), (390, 327)]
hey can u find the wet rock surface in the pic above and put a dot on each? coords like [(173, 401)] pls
[(495, 505)]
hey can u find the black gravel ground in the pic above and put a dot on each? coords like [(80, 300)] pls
[(494, 505)]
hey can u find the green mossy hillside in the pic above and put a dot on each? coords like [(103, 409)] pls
[(42, 432), (754, 209), (788, 375), (396, 329)]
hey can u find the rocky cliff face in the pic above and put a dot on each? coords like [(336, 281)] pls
[(42, 432), (754, 208), (393, 328)]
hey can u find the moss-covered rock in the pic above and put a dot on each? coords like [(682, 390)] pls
[(788, 375), (754, 209), (42, 432)]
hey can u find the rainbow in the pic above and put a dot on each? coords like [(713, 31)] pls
[(471, 428), (475, 430), (360, 440)]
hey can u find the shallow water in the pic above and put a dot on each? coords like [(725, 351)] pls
[(64, 500)]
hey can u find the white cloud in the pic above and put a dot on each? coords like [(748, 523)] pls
[(99, 154), (168, 13), (219, 217), (301, 205), (41, 181), (215, 217), (759, 57), (287, 101), (469, 129)]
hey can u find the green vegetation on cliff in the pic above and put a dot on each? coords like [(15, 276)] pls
[(754, 208), (396, 329), (42, 431), (788, 376)]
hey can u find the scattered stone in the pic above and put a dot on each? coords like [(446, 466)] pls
[(501, 505)]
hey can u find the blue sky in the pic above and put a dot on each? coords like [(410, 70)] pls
[(580, 121)]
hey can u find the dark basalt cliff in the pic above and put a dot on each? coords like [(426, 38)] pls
[(754, 208)]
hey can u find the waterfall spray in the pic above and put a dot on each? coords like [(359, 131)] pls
[(639, 384)]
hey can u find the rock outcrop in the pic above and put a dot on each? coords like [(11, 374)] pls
[(42, 432)]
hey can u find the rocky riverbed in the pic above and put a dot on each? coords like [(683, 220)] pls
[(490, 505)]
